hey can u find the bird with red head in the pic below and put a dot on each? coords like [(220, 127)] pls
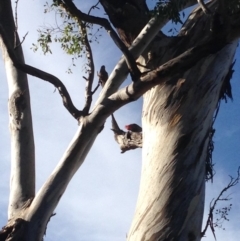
[(133, 128)]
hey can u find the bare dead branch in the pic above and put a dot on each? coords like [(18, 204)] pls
[(24, 37), (67, 102), (70, 7), (93, 92), (115, 127), (210, 222), (93, 7)]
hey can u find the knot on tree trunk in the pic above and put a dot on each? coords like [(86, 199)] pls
[(17, 104)]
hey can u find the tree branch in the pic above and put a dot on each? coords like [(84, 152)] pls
[(136, 11), (93, 7), (70, 7), (160, 75), (67, 102), (233, 182), (90, 78), (203, 7), (140, 44), (16, 24)]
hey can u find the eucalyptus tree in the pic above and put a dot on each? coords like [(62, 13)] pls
[(181, 79)]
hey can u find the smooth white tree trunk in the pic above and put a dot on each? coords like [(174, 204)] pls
[(22, 183), (176, 122)]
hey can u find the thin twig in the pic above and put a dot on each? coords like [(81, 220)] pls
[(24, 37), (93, 92), (233, 182), (16, 28), (93, 7), (16, 24)]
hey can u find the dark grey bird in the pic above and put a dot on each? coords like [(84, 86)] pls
[(103, 75)]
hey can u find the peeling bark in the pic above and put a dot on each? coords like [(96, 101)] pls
[(179, 118), (173, 171), (14, 231)]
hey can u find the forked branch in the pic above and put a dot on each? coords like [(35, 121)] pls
[(163, 73), (210, 222), (93, 7), (67, 101)]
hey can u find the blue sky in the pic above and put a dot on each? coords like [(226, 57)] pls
[(99, 202)]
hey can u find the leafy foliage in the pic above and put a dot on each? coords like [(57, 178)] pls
[(68, 33), (44, 40), (222, 214), (169, 9)]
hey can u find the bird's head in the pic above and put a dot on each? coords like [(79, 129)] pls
[(133, 127), (128, 127)]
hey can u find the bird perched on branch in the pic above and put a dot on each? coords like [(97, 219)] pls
[(133, 128), (103, 75)]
